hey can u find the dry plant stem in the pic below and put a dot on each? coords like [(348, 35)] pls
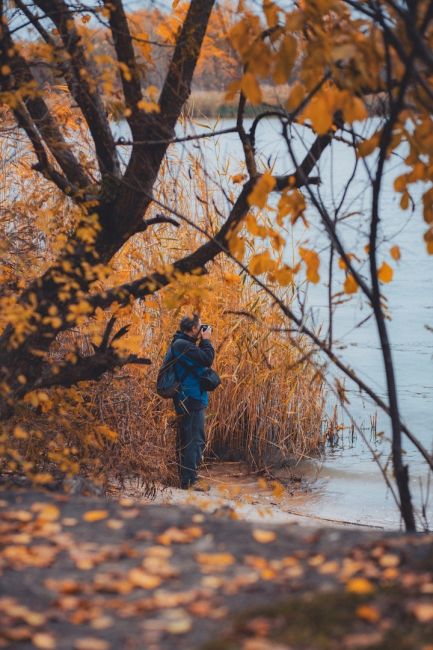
[(302, 329)]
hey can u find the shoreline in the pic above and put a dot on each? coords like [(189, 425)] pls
[(238, 494)]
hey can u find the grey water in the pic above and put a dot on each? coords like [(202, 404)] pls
[(349, 485)]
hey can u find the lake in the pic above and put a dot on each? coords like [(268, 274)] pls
[(348, 484)]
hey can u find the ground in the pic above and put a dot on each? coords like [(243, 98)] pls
[(94, 574)]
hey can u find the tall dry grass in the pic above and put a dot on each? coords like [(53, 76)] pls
[(269, 408)]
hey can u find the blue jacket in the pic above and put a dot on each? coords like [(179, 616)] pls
[(192, 361)]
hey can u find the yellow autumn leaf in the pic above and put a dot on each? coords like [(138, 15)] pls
[(385, 273), (232, 278), (291, 203), (400, 183), (270, 10), (278, 489), (312, 262), (179, 535), (238, 178), (360, 586), (296, 95), (95, 515), (286, 58), (367, 147), (404, 201), (284, 276), (215, 559), (148, 106), (320, 112), (395, 252), (255, 228), (261, 263), (46, 511), (422, 611), (389, 560), (237, 246), (264, 536), (261, 189), (368, 613), (43, 641), (140, 578), (354, 110), (350, 284), (42, 478), (20, 434), (251, 88), (232, 89)]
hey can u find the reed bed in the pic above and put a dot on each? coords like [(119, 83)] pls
[(269, 409)]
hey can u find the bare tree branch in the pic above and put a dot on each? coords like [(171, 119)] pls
[(21, 78), (130, 77), (81, 83)]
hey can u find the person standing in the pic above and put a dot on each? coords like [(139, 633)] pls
[(193, 352)]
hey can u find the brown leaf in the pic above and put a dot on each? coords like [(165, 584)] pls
[(215, 559), (95, 515), (360, 586), (46, 511), (389, 560), (423, 611), (143, 579), (44, 641), (179, 535), (264, 536), (368, 613)]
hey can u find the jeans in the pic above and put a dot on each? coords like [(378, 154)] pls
[(190, 445)]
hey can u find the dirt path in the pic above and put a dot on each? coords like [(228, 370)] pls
[(93, 574)]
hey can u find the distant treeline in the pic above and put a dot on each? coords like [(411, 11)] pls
[(154, 33)]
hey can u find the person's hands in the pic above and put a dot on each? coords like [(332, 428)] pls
[(206, 334)]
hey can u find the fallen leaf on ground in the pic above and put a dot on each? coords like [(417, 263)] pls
[(360, 586), (143, 579), (215, 559), (368, 613), (422, 611), (95, 515), (44, 641), (179, 535), (264, 536), (46, 511), (389, 560)]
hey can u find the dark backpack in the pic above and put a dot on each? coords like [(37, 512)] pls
[(209, 379), (168, 384), (167, 381)]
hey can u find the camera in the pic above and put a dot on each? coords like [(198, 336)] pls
[(204, 328)]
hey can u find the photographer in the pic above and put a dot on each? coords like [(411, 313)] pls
[(194, 353)]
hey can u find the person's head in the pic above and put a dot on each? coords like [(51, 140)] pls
[(191, 325)]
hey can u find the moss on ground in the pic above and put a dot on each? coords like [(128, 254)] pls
[(330, 621)]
